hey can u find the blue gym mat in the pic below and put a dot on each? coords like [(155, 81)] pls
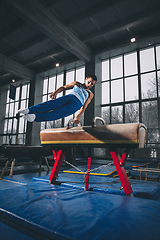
[(31, 208)]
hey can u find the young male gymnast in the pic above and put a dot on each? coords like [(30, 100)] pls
[(61, 107)]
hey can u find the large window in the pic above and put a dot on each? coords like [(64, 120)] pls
[(131, 90), (50, 84), (54, 82), (15, 130), (119, 86)]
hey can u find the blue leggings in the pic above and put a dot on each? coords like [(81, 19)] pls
[(55, 109)]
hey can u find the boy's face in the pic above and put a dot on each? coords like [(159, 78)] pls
[(89, 82)]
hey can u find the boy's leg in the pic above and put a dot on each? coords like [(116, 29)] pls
[(41, 108), (62, 110), (49, 105)]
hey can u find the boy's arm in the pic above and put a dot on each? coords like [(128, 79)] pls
[(83, 108), (60, 89)]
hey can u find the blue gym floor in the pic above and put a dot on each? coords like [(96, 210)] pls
[(31, 208)]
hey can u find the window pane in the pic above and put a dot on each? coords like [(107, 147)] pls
[(44, 99), (7, 140), (4, 140), (152, 136), (106, 114), (105, 70), (131, 88), (45, 84), (69, 79), (16, 108), (20, 138), (80, 75), (24, 138), (132, 113), (23, 104), (60, 80), (13, 139), (17, 93), (52, 82), (24, 91), (27, 103), (116, 67), (11, 109), (5, 126), (21, 125), (150, 114), (158, 56), (105, 93), (60, 83), (14, 125), (43, 125), (8, 96), (9, 125), (148, 85), (50, 124), (130, 64), (116, 91), (28, 88), (7, 110), (48, 97), (147, 60), (58, 123), (158, 74), (25, 126), (117, 114)]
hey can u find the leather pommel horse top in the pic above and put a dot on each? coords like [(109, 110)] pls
[(121, 135)]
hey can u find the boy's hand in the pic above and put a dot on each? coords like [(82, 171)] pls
[(76, 120), (53, 95)]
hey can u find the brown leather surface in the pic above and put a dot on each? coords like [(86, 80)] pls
[(113, 132)]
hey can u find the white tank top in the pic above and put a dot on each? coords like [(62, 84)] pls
[(80, 93)]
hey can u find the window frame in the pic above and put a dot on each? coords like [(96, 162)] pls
[(11, 136), (140, 100)]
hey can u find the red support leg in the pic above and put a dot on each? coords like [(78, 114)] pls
[(88, 173), (58, 156), (54, 154), (119, 163), (123, 159)]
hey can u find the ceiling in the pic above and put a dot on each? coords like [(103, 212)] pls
[(35, 35)]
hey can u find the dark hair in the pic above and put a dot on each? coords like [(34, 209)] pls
[(92, 76)]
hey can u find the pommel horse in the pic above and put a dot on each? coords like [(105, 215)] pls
[(114, 136)]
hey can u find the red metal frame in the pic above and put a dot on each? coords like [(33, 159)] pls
[(88, 173), (58, 157), (118, 162)]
